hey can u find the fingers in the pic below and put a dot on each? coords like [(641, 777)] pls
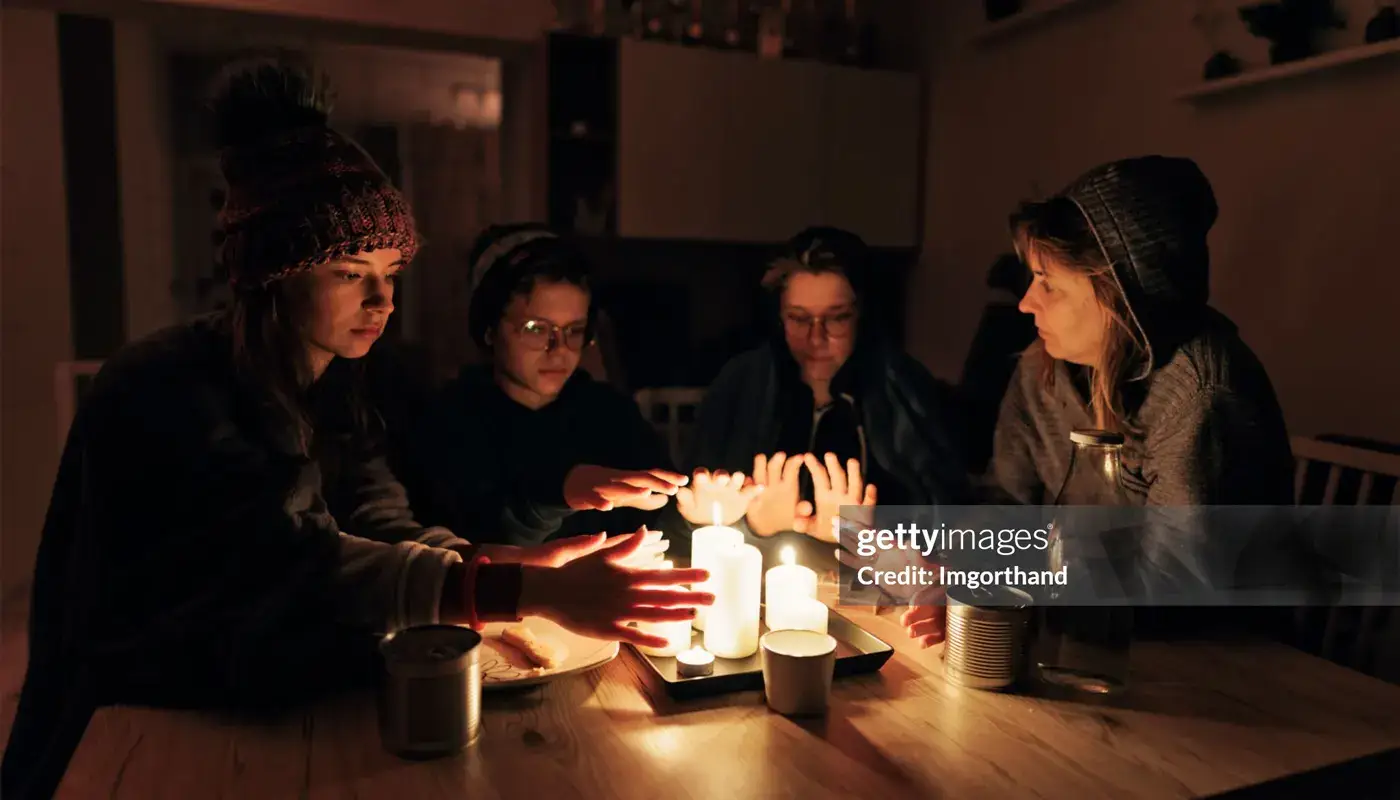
[(674, 478), (637, 637), (650, 482), (671, 598), (792, 467), (855, 482), (685, 499), (777, 468), (869, 499), (926, 627), (760, 467), (628, 545), (821, 482), (667, 577), (804, 524), (836, 476), (804, 509), (925, 642), (649, 502)]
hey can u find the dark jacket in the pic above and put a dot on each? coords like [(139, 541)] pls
[(494, 470), (190, 558), (888, 411), (1205, 426)]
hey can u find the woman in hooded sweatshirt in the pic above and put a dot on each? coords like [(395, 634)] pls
[(222, 532), (487, 459), (1127, 343), (829, 396)]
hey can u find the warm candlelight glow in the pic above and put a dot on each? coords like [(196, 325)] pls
[(676, 633), (716, 513), (736, 581), (786, 586), (695, 662), (788, 556)]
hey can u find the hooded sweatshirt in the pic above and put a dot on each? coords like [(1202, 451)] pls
[(494, 469), (1208, 429), (887, 411), (191, 555)]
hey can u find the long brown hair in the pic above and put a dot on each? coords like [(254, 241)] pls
[(1056, 232), (270, 354)]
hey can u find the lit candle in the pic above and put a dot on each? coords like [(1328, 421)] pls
[(736, 580), (676, 633), (694, 662), (798, 614), (704, 543), (785, 584)]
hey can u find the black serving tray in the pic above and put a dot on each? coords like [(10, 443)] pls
[(858, 652)]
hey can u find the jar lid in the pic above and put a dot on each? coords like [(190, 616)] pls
[(1095, 437), (989, 597), (426, 645)]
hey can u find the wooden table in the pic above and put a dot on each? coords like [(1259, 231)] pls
[(1200, 719)]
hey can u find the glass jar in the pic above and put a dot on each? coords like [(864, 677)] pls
[(1085, 631)]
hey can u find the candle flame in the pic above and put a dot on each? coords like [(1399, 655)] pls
[(787, 556), (717, 513)]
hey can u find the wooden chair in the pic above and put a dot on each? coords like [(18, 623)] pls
[(1366, 637), (672, 410)]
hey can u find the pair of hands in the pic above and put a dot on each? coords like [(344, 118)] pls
[(769, 501), (594, 586)]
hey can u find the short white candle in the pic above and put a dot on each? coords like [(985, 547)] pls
[(676, 633), (798, 614), (784, 584), (694, 662), (732, 626), (704, 542)]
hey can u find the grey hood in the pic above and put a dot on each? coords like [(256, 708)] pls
[(1151, 216)]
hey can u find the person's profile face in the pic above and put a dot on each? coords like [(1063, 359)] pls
[(820, 317), (1068, 316)]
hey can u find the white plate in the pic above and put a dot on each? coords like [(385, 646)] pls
[(504, 666)]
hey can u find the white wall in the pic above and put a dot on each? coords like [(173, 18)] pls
[(1307, 174), (34, 327)]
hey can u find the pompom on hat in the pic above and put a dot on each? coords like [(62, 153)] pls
[(299, 192)]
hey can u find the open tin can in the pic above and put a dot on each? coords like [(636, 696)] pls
[(988, 629), (430, 703)]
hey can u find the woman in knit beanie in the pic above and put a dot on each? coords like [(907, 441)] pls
[(1128, 344), (515, 447), (221, 532)]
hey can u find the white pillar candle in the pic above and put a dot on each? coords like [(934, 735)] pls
[(798, 614), (784, 584), (703, 545), (732, 626), (676, 633)]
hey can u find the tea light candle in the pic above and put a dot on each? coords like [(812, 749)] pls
[(785, 584), (694, 662), (704, 543), (732, 626), (676, 633), (798, 614)]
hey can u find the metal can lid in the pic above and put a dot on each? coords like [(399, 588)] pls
[(1092, 436), (429, 644), (989, 597)]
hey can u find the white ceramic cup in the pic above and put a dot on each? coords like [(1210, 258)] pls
[(797, 670)]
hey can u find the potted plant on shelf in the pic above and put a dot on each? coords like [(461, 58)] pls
[(1291, 26)]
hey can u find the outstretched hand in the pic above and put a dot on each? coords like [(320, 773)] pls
[(597, 594), (832, 488), (589, 487), (561, 551), (730, 493), (926, 619)]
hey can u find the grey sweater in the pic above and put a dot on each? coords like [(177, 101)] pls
[(1209, 433)]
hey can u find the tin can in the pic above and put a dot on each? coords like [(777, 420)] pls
[(430, 703), (988, 629)]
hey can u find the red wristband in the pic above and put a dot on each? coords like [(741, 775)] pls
[(469, 591)]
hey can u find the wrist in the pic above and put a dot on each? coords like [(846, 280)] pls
[(536, 597)]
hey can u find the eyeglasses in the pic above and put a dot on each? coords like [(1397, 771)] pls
[(539, 334), (833, 326)]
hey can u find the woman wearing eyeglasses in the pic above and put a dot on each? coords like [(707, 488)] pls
[(528, 447), (826, 411)]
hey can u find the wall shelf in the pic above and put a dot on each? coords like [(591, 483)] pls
[(1028, 18), (1336, 58)]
